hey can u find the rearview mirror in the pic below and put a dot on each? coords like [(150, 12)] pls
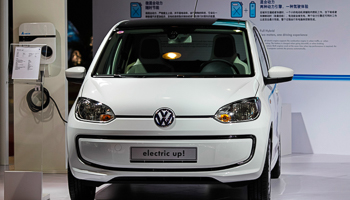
[(279, 75), (76, 74), (180, 39)]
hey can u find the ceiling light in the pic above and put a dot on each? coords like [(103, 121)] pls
[(171, 55)]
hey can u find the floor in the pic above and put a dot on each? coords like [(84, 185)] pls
[(304, 177)]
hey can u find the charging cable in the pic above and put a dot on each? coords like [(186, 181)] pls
[(36, 108)]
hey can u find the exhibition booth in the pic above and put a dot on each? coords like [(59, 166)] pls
[(308, 36)]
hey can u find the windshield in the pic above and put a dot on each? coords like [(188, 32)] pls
[(178, 52)]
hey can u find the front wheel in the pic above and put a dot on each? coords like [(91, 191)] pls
[(260, 189), (78, 190)]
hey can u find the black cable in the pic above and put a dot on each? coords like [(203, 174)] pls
[(195, 9), (32, 106), (35, 108), (58, 110)]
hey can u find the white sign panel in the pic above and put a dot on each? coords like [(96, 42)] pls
[(26, 63), (310, 36)]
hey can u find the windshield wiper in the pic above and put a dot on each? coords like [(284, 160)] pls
[(129, 76), (167, 76), (118, 76)]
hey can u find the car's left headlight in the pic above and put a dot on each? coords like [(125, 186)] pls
[(94, 111), (239, 111)]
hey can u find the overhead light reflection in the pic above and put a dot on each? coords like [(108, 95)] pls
[(171, 55)]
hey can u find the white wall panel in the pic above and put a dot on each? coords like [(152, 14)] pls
[(40, 141)]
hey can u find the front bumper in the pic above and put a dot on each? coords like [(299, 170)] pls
[(213, 152), (226, 152)]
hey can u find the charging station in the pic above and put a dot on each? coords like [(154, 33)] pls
[(39, 140), (40, 33)]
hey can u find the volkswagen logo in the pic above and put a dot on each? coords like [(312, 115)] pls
[(164, 117)]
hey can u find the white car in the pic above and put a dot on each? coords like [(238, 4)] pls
[(177, 99)]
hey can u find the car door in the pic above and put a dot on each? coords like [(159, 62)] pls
[(271, 91)]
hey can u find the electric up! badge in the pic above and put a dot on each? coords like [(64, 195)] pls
[(164, 117)]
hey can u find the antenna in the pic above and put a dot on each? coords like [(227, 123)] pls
[(195, 8)]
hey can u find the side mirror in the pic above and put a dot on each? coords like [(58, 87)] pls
[(279, 75), (76, 74)]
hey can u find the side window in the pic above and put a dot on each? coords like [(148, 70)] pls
[(263, 48), (262, 53), (109, 59)]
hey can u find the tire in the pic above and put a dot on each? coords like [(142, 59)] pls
[(78, 190), (276, 171), (260, 189)]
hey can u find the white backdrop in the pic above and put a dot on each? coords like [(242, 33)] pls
[(309, 36)]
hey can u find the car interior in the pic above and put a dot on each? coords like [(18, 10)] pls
[(188, 54)]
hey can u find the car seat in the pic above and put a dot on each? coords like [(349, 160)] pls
[(224, 49), (150, 59)]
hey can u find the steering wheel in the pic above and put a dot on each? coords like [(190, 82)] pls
[(169, 66), (221, 61)]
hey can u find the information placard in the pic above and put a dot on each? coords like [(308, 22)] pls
[(26, 63)]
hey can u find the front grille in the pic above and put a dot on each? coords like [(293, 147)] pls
[(218, 137)]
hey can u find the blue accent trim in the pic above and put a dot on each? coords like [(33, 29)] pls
[(317, 77), (273, 90), (230, 23)]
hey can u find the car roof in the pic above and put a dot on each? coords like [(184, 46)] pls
[(144, 23)]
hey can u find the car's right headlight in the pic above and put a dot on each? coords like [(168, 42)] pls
[(94, 111), (239, 111)]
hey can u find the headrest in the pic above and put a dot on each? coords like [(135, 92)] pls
[(150, 48), (224, 46)]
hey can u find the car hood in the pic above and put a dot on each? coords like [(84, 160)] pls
[(185, 96)]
